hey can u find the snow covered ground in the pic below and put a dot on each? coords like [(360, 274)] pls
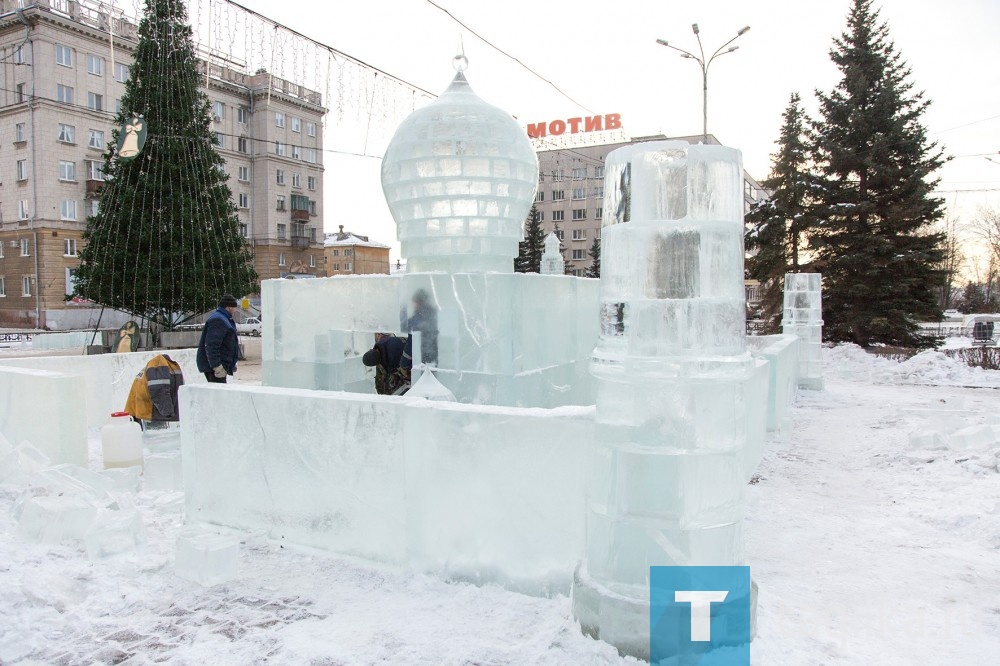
[(867, 550)]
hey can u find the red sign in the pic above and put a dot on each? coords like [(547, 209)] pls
[(609, 121)]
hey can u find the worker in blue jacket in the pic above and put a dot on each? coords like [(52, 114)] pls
[(219, 347)]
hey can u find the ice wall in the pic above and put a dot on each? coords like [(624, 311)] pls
[(46, 409), (509, 339), (803, 317), (674, 382), (469, 492), (782, 355), (107, 377)]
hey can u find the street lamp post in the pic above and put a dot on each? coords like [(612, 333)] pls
[(704, 63)]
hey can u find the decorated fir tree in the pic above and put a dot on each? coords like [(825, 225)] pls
[(874, 243), (166, 241)]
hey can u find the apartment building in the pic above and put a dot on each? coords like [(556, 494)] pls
[(352, 254), (64, 66), (570, 197)]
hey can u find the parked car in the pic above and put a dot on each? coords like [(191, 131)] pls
[(251, 326)]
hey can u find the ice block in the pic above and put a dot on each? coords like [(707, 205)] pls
[(207, 558)]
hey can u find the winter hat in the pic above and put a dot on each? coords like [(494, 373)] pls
[(227, 301), (371, 357)]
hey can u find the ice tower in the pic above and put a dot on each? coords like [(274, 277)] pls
[(672, 371), (803, 317), (552, 259)]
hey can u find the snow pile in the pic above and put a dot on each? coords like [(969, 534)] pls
[(849, 361), (933, 367)]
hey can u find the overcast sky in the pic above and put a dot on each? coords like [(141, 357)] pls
[(604, 55)]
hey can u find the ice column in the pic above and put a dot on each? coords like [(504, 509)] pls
[(671, 367), (803, 317), (552, 259)]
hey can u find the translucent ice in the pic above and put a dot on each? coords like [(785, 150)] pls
[(429, 387), (21, 462), (207, 558), (124, 478), (552, 259), (163, 471), (50, 520), (114, 534), (73, 480), (47, 409)]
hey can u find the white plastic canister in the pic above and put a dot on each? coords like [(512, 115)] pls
[(121, 441)]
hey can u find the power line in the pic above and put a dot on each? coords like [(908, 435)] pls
[(504, 53), (974, 122)]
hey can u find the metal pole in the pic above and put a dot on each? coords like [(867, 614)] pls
[(704, 103)]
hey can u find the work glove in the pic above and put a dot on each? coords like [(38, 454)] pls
[(220, 372)]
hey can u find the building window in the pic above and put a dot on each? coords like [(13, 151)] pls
[(67, 133), (282, 231), (599, 213), (243, 145), (25, 247), (599, 172), (95, 170), (281, 256), (578, 254), (597, 192), (312, 261), (311, 156), (579, 193), (19, 55), (336, 253), (1, 250), (95, 102), (220, 139), (558, 195), (280, 202), (279, 120), (579, 214), (312, 235), (296, 152), (312, 208), (95, 65), (348, 252), (67, 170), (20, 132), (69, 247), (218, 111), (22, 214), (347, 267), (558, 215), (243, 174), (244, 200), (579, 173), (64, 94), (311, 182), (64, 55), (95, 207), (22, 169), (296, 180), (296, 124), (19, 95), (96, 139), (541, 216), (242, 115), (311, 129), (118, 105), (121, 72), (558, 174), (26, 285), (336, 267), (3, 287), (67, 209), (244, 230), (70, 280), (279, 148), (540, 196), (279, 178), (579, 234)]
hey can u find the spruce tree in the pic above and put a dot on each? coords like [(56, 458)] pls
[(874, 245), (595, 259), (530, 250), (166, 242), (776, 225)]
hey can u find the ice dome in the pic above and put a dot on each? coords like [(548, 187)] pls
[(459, 176)]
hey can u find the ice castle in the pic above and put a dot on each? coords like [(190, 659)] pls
[(599, 426)]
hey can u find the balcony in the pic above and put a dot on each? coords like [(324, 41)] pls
[(300, 242), (300, 215), (94, 188)]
